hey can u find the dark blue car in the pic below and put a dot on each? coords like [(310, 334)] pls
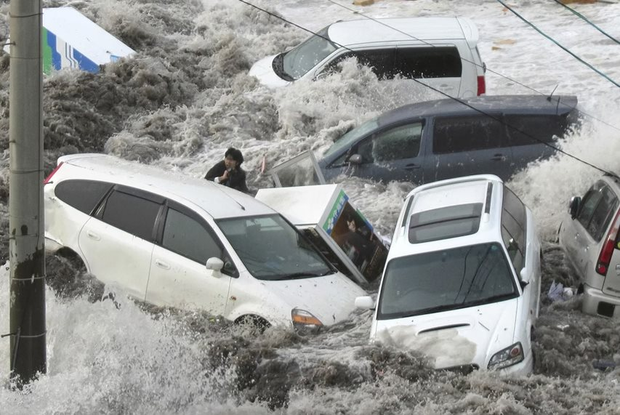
[(442, 139)]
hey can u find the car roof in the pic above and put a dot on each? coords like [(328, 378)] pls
[(352, 32), (491, 104), (462, 191), (217, 200)]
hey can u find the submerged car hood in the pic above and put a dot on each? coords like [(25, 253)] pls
[(453, 338), (331, 298), (263, 71)]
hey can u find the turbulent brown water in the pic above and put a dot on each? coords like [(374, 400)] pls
[(182, 100)]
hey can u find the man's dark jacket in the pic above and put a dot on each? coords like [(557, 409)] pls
[(236, 178)]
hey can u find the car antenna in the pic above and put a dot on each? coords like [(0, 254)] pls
[(551, 94)]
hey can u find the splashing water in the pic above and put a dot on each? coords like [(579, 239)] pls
[(186, 97)]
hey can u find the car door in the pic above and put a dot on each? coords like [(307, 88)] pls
[(179, 277), (466, 145), (438, 66), (532, 136), (394, 153), (117, 242), (588, 227)]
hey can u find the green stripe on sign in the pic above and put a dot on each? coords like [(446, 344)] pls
[(334, 213)]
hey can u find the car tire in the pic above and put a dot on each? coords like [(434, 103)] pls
[(254, 323), (67, 276)]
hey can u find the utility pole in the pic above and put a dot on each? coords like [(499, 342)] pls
[(26, 230)]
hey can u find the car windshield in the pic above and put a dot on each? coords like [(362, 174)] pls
[(299, 60), (272, 249), (445, 280), (352, 136)]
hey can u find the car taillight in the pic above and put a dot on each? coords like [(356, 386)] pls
[(48, 178), (607, 251), (482, 86)]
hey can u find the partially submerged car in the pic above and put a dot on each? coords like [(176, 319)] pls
[(590, 238), (173, 240), (439, 51), (462, 279), (443, 139)]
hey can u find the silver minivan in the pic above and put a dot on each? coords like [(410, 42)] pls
[(440, 51), (589, 237)]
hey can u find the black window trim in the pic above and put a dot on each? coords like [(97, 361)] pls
[(159, 232), (132, 191)]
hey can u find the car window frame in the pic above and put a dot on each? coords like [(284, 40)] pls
[(134, 192), (497, 117), (231, 270), (594, 189), (354, 149)]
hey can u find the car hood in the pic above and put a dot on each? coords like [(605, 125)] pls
[(453, 338), (331, 298), (263, 71)]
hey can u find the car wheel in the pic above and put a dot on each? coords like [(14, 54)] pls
[(253, 323), (67, 275)]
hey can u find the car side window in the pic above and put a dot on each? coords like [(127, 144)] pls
[(395, 144), (462, 134), (589, 203), (603, 213), (514, 251), (514, 228), (381, 61), (189, 238), (428, 62), (84, 195), (535, 129), (131, 213)]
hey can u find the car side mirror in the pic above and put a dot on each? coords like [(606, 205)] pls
[(524, 277), (575, 204), (215, 264), (355, 159), (365, 303)]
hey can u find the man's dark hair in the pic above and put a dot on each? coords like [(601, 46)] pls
[(235, 154)]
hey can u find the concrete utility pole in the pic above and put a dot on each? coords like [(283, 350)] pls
[(27, 243)]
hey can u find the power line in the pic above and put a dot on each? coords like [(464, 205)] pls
[(558, 44), (443, 93), (465, 60), (576, 13)]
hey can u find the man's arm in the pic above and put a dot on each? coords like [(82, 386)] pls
[(216, 171)]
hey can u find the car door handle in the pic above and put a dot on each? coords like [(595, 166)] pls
[(162, 264), (498, 157), (412, 166), (93, 235)]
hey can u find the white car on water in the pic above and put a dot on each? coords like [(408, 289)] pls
[(173, 240), (462, 279)]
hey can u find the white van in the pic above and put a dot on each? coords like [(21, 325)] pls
[(462, 279), (173, 240), (439, 51)]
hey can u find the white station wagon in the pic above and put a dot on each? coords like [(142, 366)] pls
[(173, 240), (462, 278), (440, 51)]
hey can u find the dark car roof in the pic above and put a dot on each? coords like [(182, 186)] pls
[(507, 104)]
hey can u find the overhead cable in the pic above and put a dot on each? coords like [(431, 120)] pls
[(576, 13), (558, 44), (501, 121), (466, 60)]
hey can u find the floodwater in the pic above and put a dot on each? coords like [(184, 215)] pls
[(186, 97)]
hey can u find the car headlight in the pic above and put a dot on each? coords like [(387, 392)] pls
[(305, 322), (507, 357)]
